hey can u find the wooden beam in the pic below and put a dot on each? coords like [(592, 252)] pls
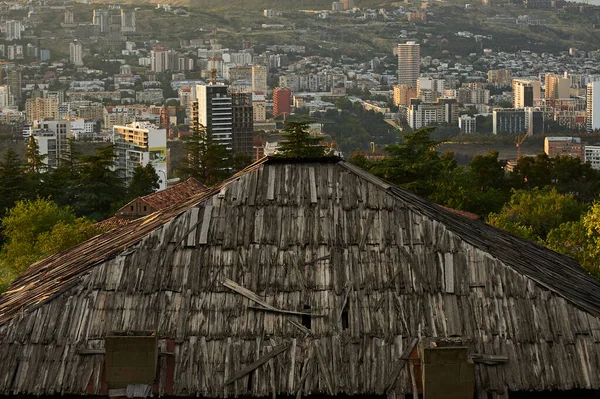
[(259, 362), (232, 285)]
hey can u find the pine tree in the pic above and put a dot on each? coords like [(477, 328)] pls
[(98, 187), (12, 180), (206, 160), (298, 143), (143, 182), (35, 160)]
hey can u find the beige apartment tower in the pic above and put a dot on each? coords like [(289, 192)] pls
[(557, 86), (409, 63), (39, 109)]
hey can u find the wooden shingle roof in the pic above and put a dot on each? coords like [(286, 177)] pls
[(48, 277)]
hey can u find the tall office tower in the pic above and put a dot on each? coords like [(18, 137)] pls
[(13, 30), (14, 81), (127, 20), (557, 86), (259, 79), (140, 143), (159, 59), (593, 106), (76, 53), (409, 63), (102, 19), (69, 17), (39, 109), (212, 110), (242, 122), (281, 101), (525, 92)]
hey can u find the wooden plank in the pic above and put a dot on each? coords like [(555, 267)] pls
[(191, 238), (205, 224), (313, 185), (232, 285), (399, 365), (259, 362), (271, 184)]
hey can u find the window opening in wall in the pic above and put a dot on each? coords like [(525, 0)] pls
[(306, 319), (345, 320)]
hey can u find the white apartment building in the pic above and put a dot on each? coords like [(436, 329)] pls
[(593, 106), (467, 124), (141, 143)]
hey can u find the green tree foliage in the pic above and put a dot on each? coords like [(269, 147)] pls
[(206, 160), (98, 186), (240, 161), (298, 143), (414, 163), (34, 168), (533, 214), (35, 230), (12, 180), (143, 182)]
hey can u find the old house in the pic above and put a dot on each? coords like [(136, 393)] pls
[(147, 204), (300, 278)]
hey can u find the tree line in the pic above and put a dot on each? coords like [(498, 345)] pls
[(552, 201), (45, 210)]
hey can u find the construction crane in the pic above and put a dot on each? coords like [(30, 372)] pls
[(521, 140), (213, 71)]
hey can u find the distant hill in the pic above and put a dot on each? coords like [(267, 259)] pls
[(254, 5)]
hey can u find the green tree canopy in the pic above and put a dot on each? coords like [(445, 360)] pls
[(533, 214), (414, 163), (12, 180), (35, 230), (143, 182), (206, 159), (98, 186), (298, 143)]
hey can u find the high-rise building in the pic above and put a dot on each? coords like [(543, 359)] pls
[(421, 114), (409, 63), (101, 18), (61, 130), (141, 143), (13, 30), (14, 81), (127, 20), (557, 86), (212, 110), (39, 109), (429, 89), (525, 92), (509, 121), (259, 107), (69, 17), (159, 59), (281, 101), (242, 122), (76, 53), (564, 146), (403, 94), (467, 124), (534, 120), (499, 77), (5, 96), (348, 4), (47, 146), (593, 106), (259, 79)]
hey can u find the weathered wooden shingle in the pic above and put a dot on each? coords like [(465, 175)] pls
[(314, 238)]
